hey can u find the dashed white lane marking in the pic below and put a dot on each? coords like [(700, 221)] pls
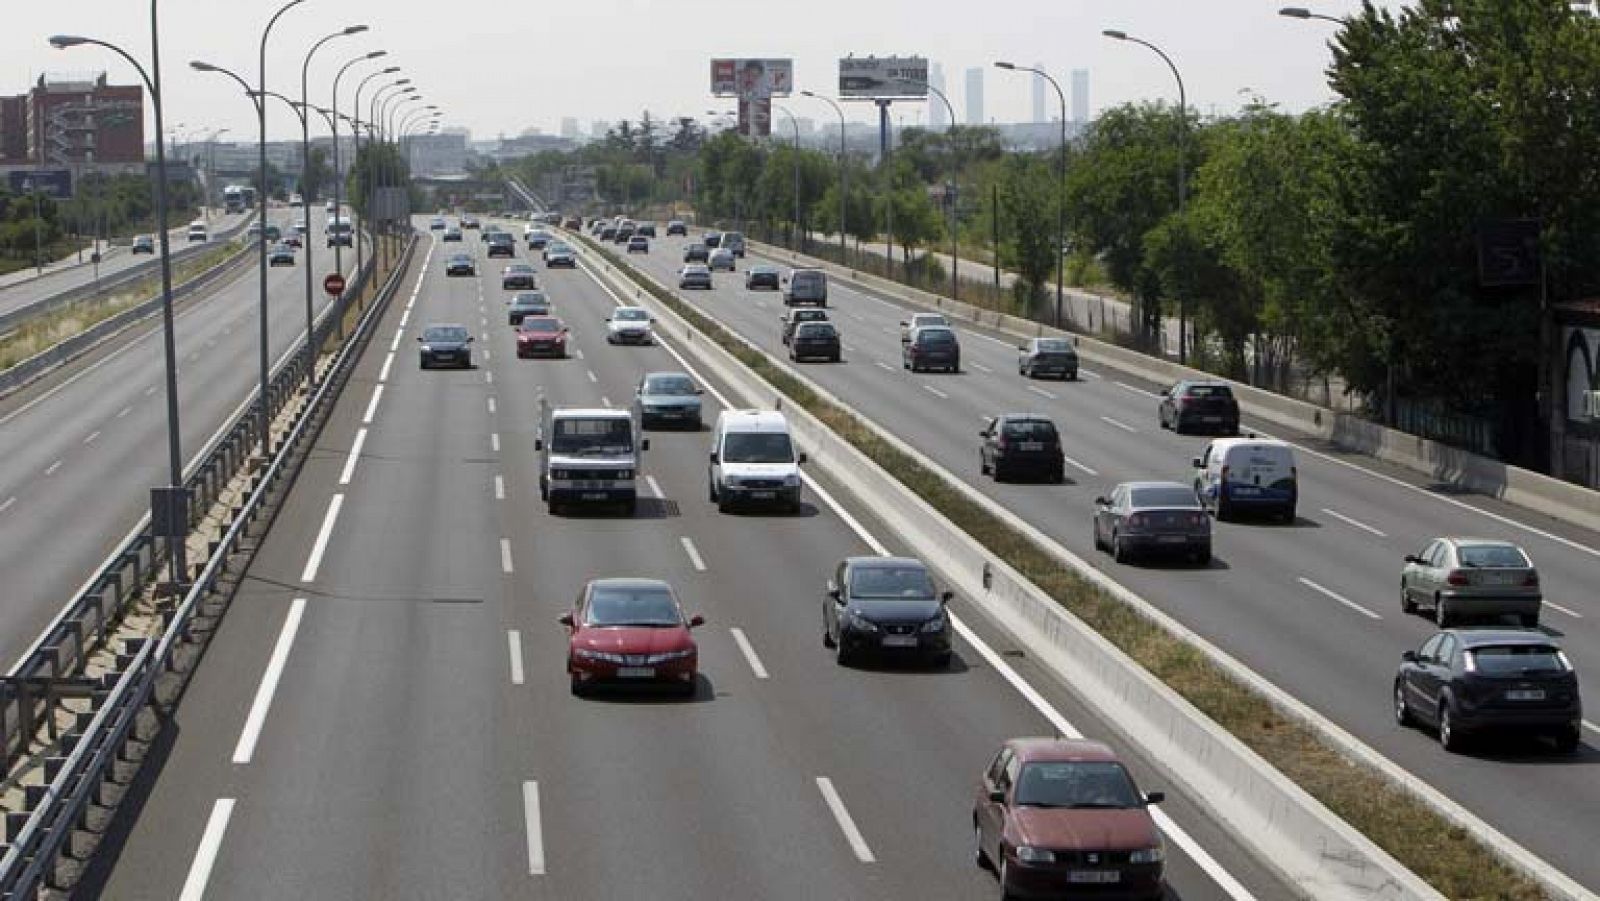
[(7, 505), (1560, 609), (488, 377), (1119, 424), (605, 401), (981, 368), (246, 748), (490, 403), (884, 366), (53, 467), (530, 812), (846, 824), (398, 334), (505, 555), (388, 362), (405, 316), (935, 392), (655, 488), (499, 488), (149, 391), (494, 441), (486, 354), (124, 412), (749, 652), (592, 378), (1338, 597), (320, 547), (355, 454), (194, 886), (1088, 374), (693, 552), (372, 406), (578, 353), (1138, 390), (514, 641), (93, 436), (1078, 465), (1353, 522), (1042, 393)]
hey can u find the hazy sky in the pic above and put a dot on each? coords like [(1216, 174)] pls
[(498, 68)]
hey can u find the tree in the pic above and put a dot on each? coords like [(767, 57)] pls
[(317, 175), (1027, 186)]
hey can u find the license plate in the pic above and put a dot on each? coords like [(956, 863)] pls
[(636, 672), (1211, 419), (1027, 446), (763, 495), (594, 495), (899, 641), (1244, 490), (1500, 578), (1172, 539), (1525, 694), (1098, 877)]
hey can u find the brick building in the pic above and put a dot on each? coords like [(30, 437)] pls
[(73, 122)]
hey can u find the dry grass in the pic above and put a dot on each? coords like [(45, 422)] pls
[(1448, 858)]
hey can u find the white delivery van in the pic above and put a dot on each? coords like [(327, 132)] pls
[(754, 461), (588, 456), (339, 231), (1248, 474), (198, 231)]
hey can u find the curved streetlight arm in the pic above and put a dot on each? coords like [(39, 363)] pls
[(374, 120), (250, 92), (63, 41), (844, 171), (1300, 12), (299, 113), (1061, 175), (392, 107)]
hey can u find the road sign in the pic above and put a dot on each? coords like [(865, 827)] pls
[(883, 78), (333, 284), (49, 182)]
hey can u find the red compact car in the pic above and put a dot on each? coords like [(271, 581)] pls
[(631, 631), (541, 336), (1059, 818)]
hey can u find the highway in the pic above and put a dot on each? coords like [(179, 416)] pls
[(1313, 607), (17, 292), (384, 712), (80, 449)]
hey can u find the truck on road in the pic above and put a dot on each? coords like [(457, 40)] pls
[(588, 455)]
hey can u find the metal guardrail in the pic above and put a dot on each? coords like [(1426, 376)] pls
[(51, 667)]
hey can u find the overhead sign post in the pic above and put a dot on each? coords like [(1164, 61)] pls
[(333, 284), (883, 78), (754, 82)]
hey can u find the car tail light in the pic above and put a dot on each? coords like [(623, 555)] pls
[(1531, 580), (1197, 519), (1458, 578), (1134, 521), (1001, 441)]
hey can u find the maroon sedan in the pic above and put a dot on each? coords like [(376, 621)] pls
[(1061, 817), (631, 631), (541, 336)]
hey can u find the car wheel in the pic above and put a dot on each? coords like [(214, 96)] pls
[(1000, 474), (842, 655), (943, 661), (827, 638), (1407, 605), (1058, 476), (979, 856), (983, 466), (1119, 552), (1567, 740), (1442, 614), (1071, 376), (1450, 738), (1022, 370), (1202, 558), (1003, 875), (1094, 529), (1402, 710), (711, 491), (1223, 510)]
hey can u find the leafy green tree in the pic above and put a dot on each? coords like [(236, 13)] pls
[(1027, 197)]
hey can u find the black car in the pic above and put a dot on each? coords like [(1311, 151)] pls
[(647, 229), (762, 276), (792, 319), (813, 340), (1014, 446), (638, 244), (501, 244), (518, 275), (1471, 681), (696, 253), (885, 605), (527, 303), (624, 233), (1146, 518), (144, 244), (445, 345), (677, 227), (713, 240), (932, 347), (1193, 405), (608, 233), (460, 264)]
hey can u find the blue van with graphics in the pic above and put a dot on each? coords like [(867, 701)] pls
[(1237, 475)]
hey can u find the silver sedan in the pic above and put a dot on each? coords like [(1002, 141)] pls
[(1471, 577)]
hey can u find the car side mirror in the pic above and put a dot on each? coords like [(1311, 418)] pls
[(1413, 558), (471, 339), (1195, 462), (696, 621), (1102, 502), (997, 796), (419, 339), (713, 456), (801, 459), (538, 444), (565, 620), (947, 597), (1154, 797), (699, 391), (1408, 656), (644, 444)]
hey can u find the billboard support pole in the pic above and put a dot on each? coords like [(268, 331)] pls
[(883, 129)]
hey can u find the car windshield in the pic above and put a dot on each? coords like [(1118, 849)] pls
[(559, 248), (631, 315), (592, 437), (1518, 659), (1219, 391), (541, 324), (644, 606), (758, 447), (668, 384), (902, 582), (519, 269), (1030, 429), (1076, 784), (1164, 496), (445, 333), (1495, 555)]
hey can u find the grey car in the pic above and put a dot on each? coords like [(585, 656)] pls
[(445, 345), (932, 347), (1147, 518), (526, 303), (885, 605), (792, 319), (1047, 356), (696, 253), (664, 398), (722, 258), (814, 340), (694, 275), (1460, 578)]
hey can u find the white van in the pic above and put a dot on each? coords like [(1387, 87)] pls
[(198, 231), (1248, 474), (754, 461)]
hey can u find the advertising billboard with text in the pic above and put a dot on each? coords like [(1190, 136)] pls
[(752, 79), (883, 78)]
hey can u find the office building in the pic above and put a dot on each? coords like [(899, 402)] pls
[(1080, 97), (975, 97), (569, 127), (70, 121), (1039, 87), (936, 110)]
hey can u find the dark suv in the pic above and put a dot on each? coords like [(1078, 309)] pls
[(501, 244), (932, 347), (814, 339), (1015, 445), (1192, 405), (1466, 681)]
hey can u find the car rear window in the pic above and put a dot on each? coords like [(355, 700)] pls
[(1518, 658), (816, 329), (1491, 555), (1164, 496), (1029, 429), (903, 582), (1054, 346), (1076, 784), (1216, 391), (936, 336)]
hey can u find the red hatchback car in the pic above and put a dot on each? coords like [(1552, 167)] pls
[(541, 336), (631, 631), (1059, 818)]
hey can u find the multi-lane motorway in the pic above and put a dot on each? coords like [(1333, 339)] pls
[(1314, 606), (384, 711), (79, 450)]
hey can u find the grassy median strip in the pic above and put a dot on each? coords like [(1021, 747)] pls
[(46, 330), (1448, 858)]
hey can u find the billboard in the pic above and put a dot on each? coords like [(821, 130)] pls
[(48, 182), (879, 78), (752, 79)]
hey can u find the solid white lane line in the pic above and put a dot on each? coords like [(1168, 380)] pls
[(1352, 522), (499, 488), (246, 748), (194, 886), (53, 467), (1338, 597), (7, 505), (749, 652), (320, 547), (590, 373), (884, 366), (514, 640), (1119, 424), (694, 553), (981, 368), (935, 392), (1560, 609), (388, 361), (124, 412), (405, 316), (530, 810), (92, 436), (372, 406), (505, 555), (355, 454), (655, 488), (494, 441), (1591, 726), (1042, 393), (1078, 465), (1137, 390), (846, 824), (491, 404)]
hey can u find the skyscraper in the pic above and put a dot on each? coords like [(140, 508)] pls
[(936, 111), (1038, 96), (1080, 96), (974, 96), (569, 127)]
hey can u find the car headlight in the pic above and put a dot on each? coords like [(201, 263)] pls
[(669, 656), (1030, 854), (1148, 855), (606, 656), (938, 624), (427, 349), (860, 622)]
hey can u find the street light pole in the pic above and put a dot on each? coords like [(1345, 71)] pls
[(1061, 177), (376, 135), (955, 244), (794, 240), (356, 130), (1183, 142), (1300, 12), (338, 180), (844, 171)]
